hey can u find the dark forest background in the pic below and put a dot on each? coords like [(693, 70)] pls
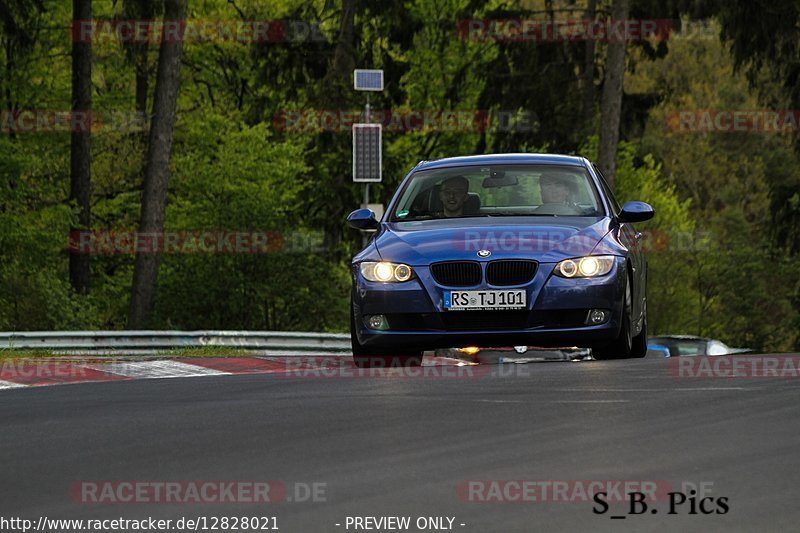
[(222, 134)]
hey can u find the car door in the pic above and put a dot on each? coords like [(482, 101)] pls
[(631, 239)]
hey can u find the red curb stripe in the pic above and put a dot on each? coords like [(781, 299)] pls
[(240, 365), (51, 373), (38, 373), (277, 365)]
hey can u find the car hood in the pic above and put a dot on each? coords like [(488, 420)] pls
[(548, 239)]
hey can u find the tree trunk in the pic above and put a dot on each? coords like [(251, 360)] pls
[(137, 51), (156, 178), (338, 84), (611, 103), (344, 55), (588, 70), (80, 149)]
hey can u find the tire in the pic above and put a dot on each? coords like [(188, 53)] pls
[(364, 357), (622, 346)]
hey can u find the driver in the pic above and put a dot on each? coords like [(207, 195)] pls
[(453, 195)]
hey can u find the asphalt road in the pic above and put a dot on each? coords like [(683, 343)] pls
[(402, 446)]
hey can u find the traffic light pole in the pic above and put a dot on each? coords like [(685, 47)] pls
[(365, 235), (367, 137), (366, 185)]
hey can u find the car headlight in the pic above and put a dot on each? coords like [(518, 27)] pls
[(585, 267), (386, 272)]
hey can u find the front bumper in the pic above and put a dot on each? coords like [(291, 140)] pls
[(555, 315)]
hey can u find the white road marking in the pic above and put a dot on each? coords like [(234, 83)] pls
[(685, 389), (10, 385), (590, 401), (156, 369)]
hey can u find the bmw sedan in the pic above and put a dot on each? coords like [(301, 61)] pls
[(500, 250)]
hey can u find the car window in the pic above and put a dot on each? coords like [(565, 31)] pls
[(498, 190), (607, 191), (691, 347)]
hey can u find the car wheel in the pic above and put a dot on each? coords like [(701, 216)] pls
[(622, 346), (364, 357)]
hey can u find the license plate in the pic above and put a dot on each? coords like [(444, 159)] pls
[(484, 300)]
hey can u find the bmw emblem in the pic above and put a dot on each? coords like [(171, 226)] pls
[(484, 253)]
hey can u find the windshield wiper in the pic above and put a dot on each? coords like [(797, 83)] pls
[(503, 214), (431, 217)]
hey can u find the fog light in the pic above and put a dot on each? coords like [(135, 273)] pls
[(597, 316), (377, 322)]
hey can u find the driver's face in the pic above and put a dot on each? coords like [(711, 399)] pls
[(554, 192), (453, 198)]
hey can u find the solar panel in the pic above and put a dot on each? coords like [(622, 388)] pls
[(368, 80), (366, 153)]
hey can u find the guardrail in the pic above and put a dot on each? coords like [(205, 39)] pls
[(132, 342), (282, 343)]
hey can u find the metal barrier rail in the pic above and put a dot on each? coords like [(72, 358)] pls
[(278, 343), (137, 341)]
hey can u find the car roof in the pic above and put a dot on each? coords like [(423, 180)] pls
[(497, 159)]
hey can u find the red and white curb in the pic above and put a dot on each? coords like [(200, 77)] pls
[(16, 373), (155, 369)]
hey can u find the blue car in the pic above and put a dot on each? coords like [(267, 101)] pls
[(500, 250), (690, 345)]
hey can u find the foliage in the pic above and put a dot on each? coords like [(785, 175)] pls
[(670, 240), (723, 246), (733, 179)]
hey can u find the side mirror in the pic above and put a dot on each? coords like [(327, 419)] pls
[(636, 212), (363, 219)]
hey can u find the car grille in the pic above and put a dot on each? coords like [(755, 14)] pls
[(507, 273), (457, 273)]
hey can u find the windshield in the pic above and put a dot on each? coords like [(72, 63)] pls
[(498, 190)]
